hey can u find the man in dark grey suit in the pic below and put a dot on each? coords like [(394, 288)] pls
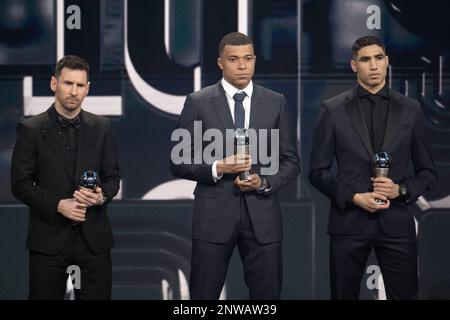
[(68, 225), (229, 211), (351, 128)]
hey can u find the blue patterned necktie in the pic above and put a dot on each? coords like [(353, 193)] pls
[(239, 112)]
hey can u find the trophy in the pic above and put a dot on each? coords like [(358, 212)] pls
[(381, 162), (89, 179), (242, 147)]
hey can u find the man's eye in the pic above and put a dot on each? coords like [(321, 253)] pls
[(232, 59)]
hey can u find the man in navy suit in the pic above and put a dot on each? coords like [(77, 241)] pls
[(229, 211), (350, 129)]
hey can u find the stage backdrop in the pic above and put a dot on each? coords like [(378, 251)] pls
[(146, 56)]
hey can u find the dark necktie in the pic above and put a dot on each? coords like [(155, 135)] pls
[(239, 112)]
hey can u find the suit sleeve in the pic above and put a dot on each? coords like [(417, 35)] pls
[(289, 161), (24, 184), (109, 175), (182, 162), (321, 161), (424, 169)]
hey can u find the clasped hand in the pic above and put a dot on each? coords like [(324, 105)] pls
[(238, 164), (75, 208)]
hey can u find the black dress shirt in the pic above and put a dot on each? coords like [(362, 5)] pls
[(70, 129), (375, 109)]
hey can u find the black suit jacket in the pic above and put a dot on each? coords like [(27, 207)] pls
[(41, 176), (217, 204), (341, 134)]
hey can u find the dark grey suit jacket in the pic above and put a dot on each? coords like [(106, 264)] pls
[(341, 134), (217, 204), (41, 176)]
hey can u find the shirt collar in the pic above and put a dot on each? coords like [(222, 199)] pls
[(64, 122), (384, 92), (231, 90)]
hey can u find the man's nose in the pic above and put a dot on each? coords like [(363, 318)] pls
[(74, 90), (373, 65), (242, 64)]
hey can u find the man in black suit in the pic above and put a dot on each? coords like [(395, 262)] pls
[(67, 226), (351, 128), (229, 211)]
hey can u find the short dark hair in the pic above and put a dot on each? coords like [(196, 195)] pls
[(234, 39), (366, 41), (71, 62)]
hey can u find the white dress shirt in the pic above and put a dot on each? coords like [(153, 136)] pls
[(230, 91)]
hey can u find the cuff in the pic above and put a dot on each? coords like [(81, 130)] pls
[(344, 200), (105, 198), (214, 172)]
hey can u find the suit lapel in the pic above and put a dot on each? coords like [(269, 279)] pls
[(394, 115), (54, 138), (356, 116), (86, 144), (255, 108), (220, 103)]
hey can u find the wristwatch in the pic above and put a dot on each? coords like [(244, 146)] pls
[(264, 187), (403, 192)]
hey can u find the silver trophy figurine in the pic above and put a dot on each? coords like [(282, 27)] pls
[(242, 147), (381, 162)]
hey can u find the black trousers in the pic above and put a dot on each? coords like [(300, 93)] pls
[(397, 258), (48, 274), (262, 263)]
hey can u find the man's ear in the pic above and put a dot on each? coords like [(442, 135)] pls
[(220, 63), (53, 82), (353, 65), (387, 60)]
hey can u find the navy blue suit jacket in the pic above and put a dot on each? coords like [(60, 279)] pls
[(217, 204)]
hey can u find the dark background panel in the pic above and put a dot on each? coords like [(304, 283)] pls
[(303, 51), (153, 245)]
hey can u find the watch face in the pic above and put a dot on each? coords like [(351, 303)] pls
[(264, 183), (402, 190)]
